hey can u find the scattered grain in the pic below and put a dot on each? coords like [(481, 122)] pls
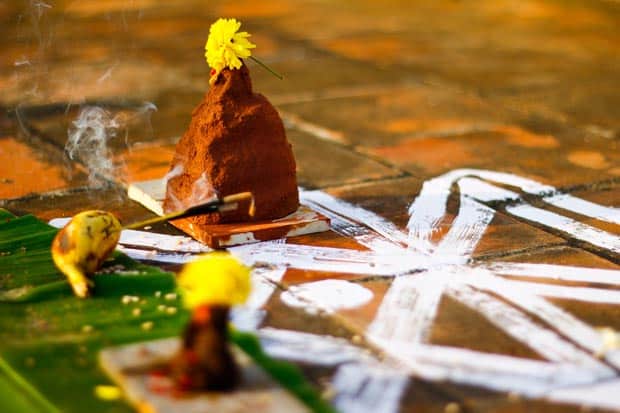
[(452, 407), (107, 392)]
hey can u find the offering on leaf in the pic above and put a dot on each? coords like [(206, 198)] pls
[(209, 287)]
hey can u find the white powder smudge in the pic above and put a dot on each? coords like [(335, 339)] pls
[(177, 170), (327, 295), (202, 190)]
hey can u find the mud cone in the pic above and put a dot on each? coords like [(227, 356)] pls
[(235, 142)]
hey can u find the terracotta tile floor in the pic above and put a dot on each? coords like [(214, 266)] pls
[(26, 171), (386, 104)]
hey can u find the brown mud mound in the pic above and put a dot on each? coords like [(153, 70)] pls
[(235, 143)]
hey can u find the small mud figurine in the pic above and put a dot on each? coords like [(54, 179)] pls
[(210, 286)]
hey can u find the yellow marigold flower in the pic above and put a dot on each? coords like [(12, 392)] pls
[(216, 278), (225, 46)]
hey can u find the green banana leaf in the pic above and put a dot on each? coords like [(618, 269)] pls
[(49, 339)]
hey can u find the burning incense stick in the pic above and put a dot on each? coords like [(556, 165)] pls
[(227, 203)]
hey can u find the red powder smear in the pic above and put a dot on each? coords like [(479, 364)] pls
[(159, 383), (159, 373), (202, 314), (236, 138)]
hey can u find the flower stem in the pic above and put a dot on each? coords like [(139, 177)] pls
[(270, 70)]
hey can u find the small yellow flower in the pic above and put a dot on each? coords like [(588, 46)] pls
[(225, 46), (216, 278)]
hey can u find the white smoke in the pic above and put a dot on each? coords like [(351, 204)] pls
[(92, 132), (88, 140)]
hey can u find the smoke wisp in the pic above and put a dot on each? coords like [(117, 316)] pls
[(88, 140)]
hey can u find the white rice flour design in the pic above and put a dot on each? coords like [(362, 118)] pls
[(424, 270)]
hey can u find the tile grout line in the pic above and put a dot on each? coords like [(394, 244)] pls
[(333, 137)]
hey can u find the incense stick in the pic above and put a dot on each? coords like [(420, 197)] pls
[(227, 203)]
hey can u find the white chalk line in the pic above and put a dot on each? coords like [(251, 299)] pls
[(587, 294), (555, 272), (522, 328), (426, 212), (429, 207), (525, 184), (561, 321), (602, 395), (485, 192), (361, 383), (458, 245), (567, 225), (362, 388), (327, 259), (583, 207), (532, 378), (408, 309), (310, 348), (330, 205), (158, 256)]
